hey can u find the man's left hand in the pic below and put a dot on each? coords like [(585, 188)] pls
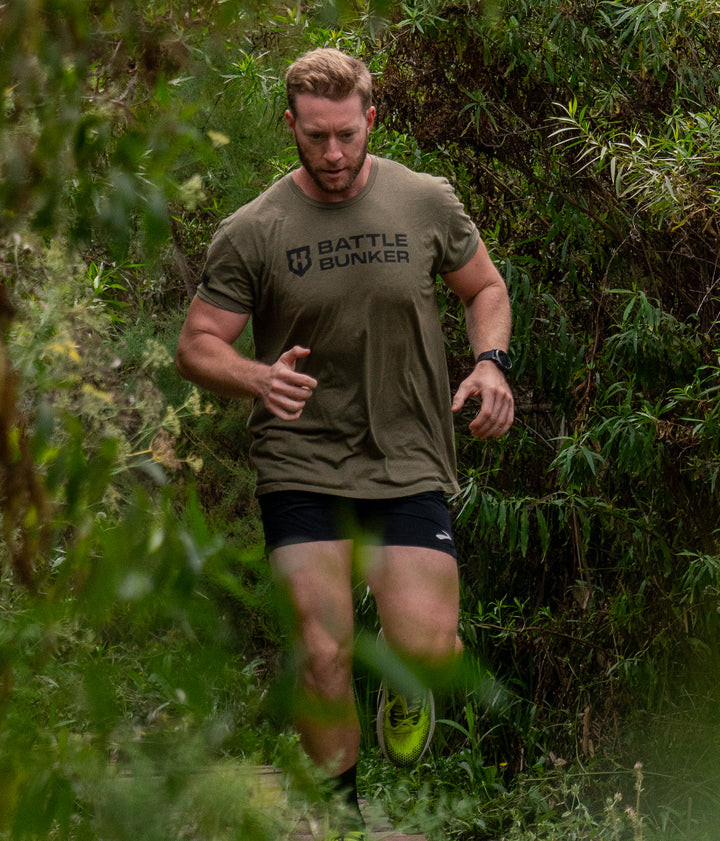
[(497, 409)]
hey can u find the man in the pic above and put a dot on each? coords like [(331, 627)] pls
[(352, 423)]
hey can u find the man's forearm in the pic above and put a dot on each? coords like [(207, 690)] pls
[(216, 366), (488, 319)]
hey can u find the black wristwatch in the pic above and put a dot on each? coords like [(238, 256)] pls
[(499, 357)]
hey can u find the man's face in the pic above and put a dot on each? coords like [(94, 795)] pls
[(331, 138)]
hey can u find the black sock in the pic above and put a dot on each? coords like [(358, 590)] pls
[(345, 784)]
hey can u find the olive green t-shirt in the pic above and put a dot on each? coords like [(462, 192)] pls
[(354, 281)]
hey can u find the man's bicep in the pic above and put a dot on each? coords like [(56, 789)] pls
[(475, 276), (206, 319)]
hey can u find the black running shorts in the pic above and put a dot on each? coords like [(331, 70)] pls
[(302, 517)]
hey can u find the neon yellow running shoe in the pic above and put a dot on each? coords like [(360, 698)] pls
[(352, 835), (405, 726)]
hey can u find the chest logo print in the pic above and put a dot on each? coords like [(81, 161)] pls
[(299, 260)]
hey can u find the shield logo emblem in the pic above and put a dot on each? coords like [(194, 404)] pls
[(299, 260)]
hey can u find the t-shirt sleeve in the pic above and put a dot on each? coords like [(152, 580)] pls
[(460, 238), (226, 280)]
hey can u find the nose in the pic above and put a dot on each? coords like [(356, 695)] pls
[(333, 152)]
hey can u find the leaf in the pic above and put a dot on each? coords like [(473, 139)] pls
[(524, 530), (543, 532)]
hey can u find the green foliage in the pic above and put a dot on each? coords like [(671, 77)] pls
[(584, 140), (593, 212), (125, 690), (668, 178), (93, 116), (122, 668)]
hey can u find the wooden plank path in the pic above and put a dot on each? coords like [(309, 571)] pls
[(268, 790)]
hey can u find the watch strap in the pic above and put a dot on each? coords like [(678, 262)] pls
[(499, 357)]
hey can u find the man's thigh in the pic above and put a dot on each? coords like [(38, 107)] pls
[(316, 580), (417, 593)]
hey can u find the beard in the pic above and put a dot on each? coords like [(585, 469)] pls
[(333, 185)]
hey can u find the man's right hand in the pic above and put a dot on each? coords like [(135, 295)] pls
[(286, 390), (206, 357)]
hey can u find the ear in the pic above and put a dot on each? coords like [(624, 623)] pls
[(290, 119), (370, 116)]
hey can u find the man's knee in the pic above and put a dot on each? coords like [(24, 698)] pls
[(435, 648), (326, 667)]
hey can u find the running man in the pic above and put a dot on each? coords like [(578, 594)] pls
[(336, 265)]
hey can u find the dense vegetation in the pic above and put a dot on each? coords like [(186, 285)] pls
[(140, 647)]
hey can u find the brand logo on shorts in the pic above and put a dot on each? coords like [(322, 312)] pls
[(299, 260), (443, 535)]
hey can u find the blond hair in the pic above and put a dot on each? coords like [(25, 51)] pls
[(329, 73)]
